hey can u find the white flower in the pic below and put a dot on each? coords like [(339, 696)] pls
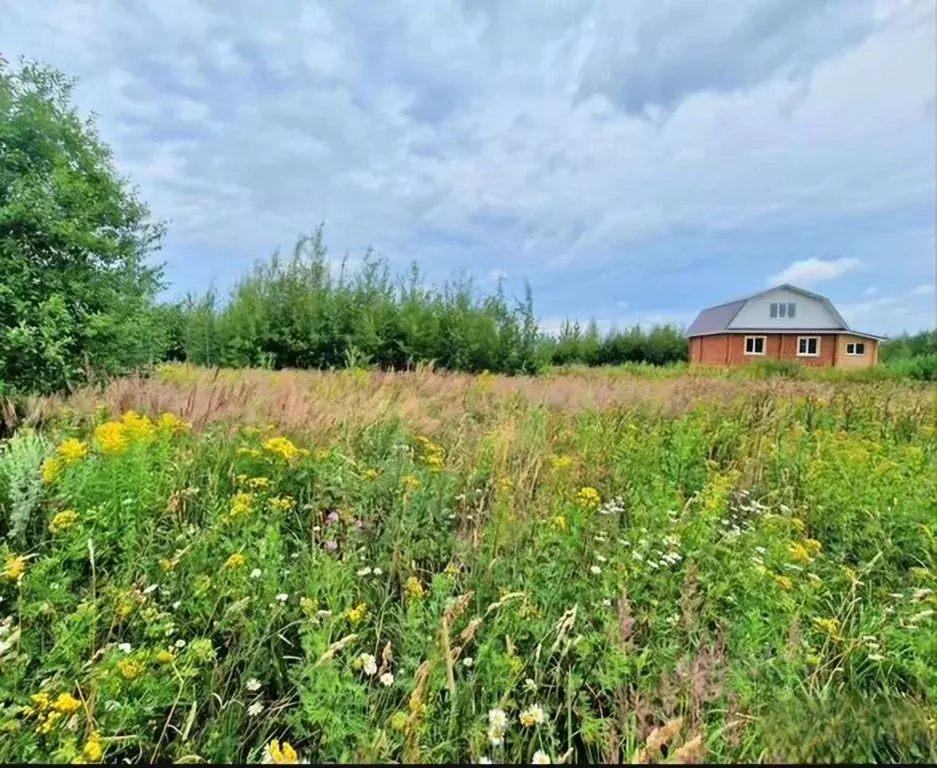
[(468, 661), (180, 643), (255, 709), (368, 664), (256, 573), (484, 760), (125, 647), (496, 737), (175, 605), (252, 685), (530, 684), (600, 558), (364, 571), (606, 602), (497, 719), (595, 570), (283, 597), (387, 679), (540, 758), (377, 571), (533, 715)]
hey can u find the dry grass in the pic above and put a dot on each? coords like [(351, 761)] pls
[(427, 401)]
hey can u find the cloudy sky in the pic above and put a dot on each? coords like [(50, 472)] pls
[(634, 161)]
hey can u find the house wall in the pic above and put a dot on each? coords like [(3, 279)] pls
[(811, 313), (867, 360), (729, 349)]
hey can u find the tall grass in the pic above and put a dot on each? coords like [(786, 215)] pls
[(478, 568)]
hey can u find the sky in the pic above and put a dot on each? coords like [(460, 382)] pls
[(632, 161)]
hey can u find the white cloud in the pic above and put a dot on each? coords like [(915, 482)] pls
[(870, 291), (810, 271), (923, 290), (622, 304)]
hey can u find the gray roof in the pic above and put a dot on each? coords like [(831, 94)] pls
[(717, 319)]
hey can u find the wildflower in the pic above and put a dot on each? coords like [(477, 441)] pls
[(497, 718), (66, 704), (588, 498), (253, 685), (129, 669), (278, 754), (372, 474), (356, 614), (812, 546), (784, 582), (530, 684), (799, 552), (561, 462), (258, 483), (559, 522), (255, 709), (364, 571), (368, 664), (241, 504), (253, 453), (331, 518), (51, 468), (136, 427), (484, 760), (283, 597), (164, 657), (378, 572), (111, 437), (398, 721), (410, 483), (331, 545), (166, 565), (601, 558), (125, 647), (282, 447), (533, 715), (180, 643), (606, 602), (595, 570), (14, 567), (830, 626), (169, 422), (387, 679), (236, 560), (413, 589), (540, 758), (282, 502), (468, 661), (256, 573), (92, 751), (62, 521)]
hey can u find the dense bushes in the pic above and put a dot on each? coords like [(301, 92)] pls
[(658, 346)]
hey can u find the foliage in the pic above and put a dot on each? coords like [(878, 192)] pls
[(746, 581), (21, 460), (74, 239), (905, 346)]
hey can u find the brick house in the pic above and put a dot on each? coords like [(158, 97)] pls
[(782, 323)]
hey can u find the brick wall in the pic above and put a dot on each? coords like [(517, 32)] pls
[(729, 349)]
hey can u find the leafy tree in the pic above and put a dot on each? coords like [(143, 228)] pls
[(76, 289)]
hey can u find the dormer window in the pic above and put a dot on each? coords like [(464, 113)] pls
[(783, 309)]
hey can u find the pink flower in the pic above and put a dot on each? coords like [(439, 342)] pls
[(331, 518), (332, 545)]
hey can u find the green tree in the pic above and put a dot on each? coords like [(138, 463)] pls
[(76, 290)]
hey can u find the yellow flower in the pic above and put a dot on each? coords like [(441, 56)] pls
[(72, 451), (813, 546), (561, 462), (256, 483), (235, 561), (129, 669), (321, 454), (163, 657), (167, 565), (62, 521), (40, 700), (281, 754), (241, 504), (588, 498), (413, 589), (51, 469), (398, 721), (66, 704), (830, 626), (137, 427), (48, 723), (372, 474), (435, 462), (799, 552), (282, 502), (14, 568), (254, 453), (783, 582), (93, 751), (533, 715), (111, 437), (410, 483), (559, 522), (798, 524), (169, 422), (282, 447), (356, 614)]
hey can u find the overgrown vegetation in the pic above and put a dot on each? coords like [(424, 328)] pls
[(744, 578)]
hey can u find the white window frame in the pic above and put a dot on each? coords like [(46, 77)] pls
[(807, 339), (764, 346), (855, 344)]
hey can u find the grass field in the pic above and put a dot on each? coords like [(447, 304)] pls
[(591, 566)]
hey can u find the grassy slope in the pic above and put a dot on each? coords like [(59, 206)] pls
[(757, 571)]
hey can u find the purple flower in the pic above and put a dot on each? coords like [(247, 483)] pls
[(332, 518), (332, 545), (359, 524)]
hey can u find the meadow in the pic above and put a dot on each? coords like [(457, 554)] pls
[(258, 566)]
